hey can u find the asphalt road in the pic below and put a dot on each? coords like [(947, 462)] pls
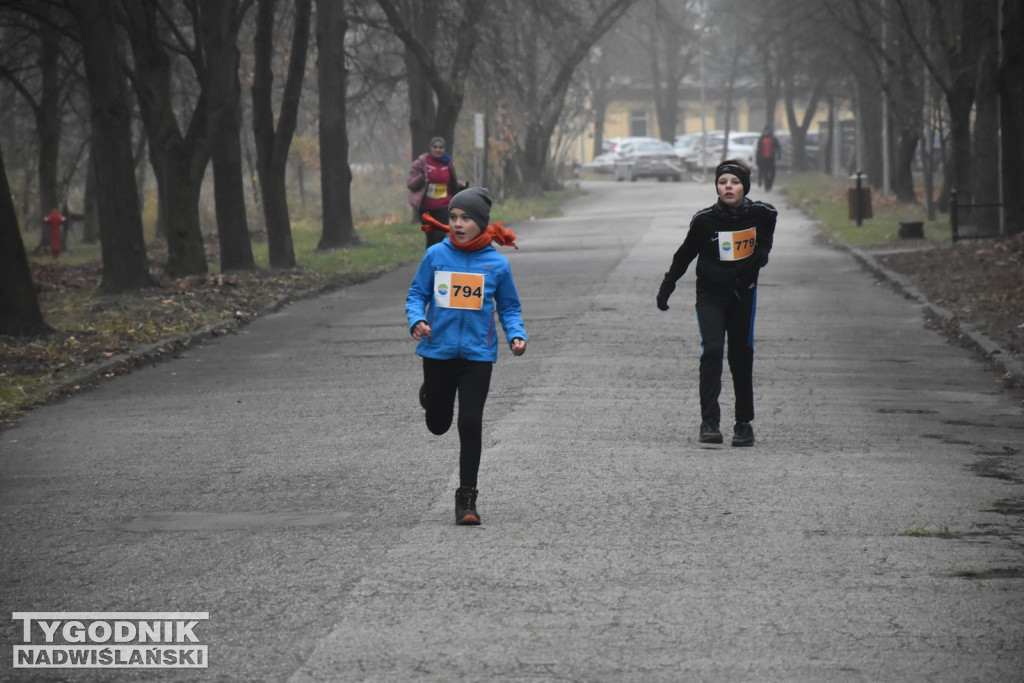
[(282, 480)]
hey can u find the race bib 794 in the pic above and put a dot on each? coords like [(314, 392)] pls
[(459, 290), (736, 246)]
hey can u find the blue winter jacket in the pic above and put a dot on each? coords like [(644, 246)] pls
[(448, 295)]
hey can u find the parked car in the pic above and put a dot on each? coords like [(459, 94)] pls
[(602, 163), (605, 162), (647, 159), (742, 146), (615, 144), (701, 149), (685, 144), (812, 150)]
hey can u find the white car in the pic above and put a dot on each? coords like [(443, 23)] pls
[(742, 146), (602, 163), (698, 149)]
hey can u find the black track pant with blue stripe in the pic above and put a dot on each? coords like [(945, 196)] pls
[(721, 316)]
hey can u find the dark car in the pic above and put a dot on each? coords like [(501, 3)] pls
[(647, 159), (812, 150)]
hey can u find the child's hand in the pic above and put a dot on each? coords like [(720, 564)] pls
[(420, 331), (518, 346)]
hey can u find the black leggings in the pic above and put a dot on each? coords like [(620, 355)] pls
[(717, 317), (471, 380)]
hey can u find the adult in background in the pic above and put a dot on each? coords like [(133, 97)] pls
[(731, 241), (768, 152), (432, 183)]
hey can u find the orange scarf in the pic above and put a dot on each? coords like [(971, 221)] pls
[(492, 233)]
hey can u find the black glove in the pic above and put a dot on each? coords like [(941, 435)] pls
[(667, 287)]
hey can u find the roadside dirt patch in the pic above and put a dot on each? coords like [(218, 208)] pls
[(980, 281)]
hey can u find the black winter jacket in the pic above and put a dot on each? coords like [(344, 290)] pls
[(730, 244)]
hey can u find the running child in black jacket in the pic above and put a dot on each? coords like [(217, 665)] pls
[(731, 241)]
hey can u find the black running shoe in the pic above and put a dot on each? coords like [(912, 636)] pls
[(743, 434), (709, 432), (465, 506), (423, 395)]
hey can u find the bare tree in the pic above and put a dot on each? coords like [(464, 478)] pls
[(272, 143), (220, 21), (179, 159), (19, 307), (33, 68), (335, 174), (534, 59), (671, 46), (123, 248), (436, 88), (956, 47)]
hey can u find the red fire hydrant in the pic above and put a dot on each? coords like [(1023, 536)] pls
[(55, 220)]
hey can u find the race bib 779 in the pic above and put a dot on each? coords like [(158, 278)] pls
[(736, 246), (459, 290)]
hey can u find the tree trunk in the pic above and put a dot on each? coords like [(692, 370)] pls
[(797, 124), (771, 94), (272, 145), (179, 160), (20, 315), (123, 248), (906, 94), (48, 127), (960, 101), (1011, 88), (903, 165), (730, 88), (178, 197), (985, 137), (90, 211), (220, 22), (339, 229)]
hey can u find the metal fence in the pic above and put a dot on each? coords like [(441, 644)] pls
[(955, 207)]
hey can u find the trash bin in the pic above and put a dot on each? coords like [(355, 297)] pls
[(911, 230), (858, 199)]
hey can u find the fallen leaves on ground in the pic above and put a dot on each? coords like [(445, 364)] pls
[(91, 327), (981, 281)]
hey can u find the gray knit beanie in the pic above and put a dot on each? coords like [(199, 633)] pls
[(476, 202)]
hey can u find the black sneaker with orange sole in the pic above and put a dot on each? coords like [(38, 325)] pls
[(465, 506)]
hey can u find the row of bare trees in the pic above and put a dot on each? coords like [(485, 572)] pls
[(97, 90), (164, 79), (922, 77)]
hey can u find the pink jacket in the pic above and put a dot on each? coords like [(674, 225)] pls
[(417, 183)]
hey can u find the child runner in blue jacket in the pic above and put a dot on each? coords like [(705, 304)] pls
[(462, 282)]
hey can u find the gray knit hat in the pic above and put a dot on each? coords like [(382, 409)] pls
[(476, 202)]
